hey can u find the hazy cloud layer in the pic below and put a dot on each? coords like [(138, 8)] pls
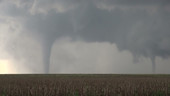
[(136, 29), (81, 57)]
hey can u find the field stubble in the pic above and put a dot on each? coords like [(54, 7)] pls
[(88, 85)]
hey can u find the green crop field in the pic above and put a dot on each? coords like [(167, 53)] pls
[(85, 85)]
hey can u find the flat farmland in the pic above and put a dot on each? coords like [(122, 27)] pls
[(84, 85)]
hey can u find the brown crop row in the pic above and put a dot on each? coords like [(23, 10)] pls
[(84, 86)]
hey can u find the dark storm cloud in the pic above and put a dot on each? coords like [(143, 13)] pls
[(140, 26), (137, 30), (134, 2)]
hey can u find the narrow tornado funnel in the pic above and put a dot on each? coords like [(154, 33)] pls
[(46, 58), (47, 46), (153, 64)]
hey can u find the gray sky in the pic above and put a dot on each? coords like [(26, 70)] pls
[(85, 36)]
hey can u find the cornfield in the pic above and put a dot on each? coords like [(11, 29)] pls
[(84, 85)]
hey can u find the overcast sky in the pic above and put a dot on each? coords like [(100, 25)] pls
[(85, 36)]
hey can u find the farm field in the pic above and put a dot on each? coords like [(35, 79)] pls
[(84, 85)]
